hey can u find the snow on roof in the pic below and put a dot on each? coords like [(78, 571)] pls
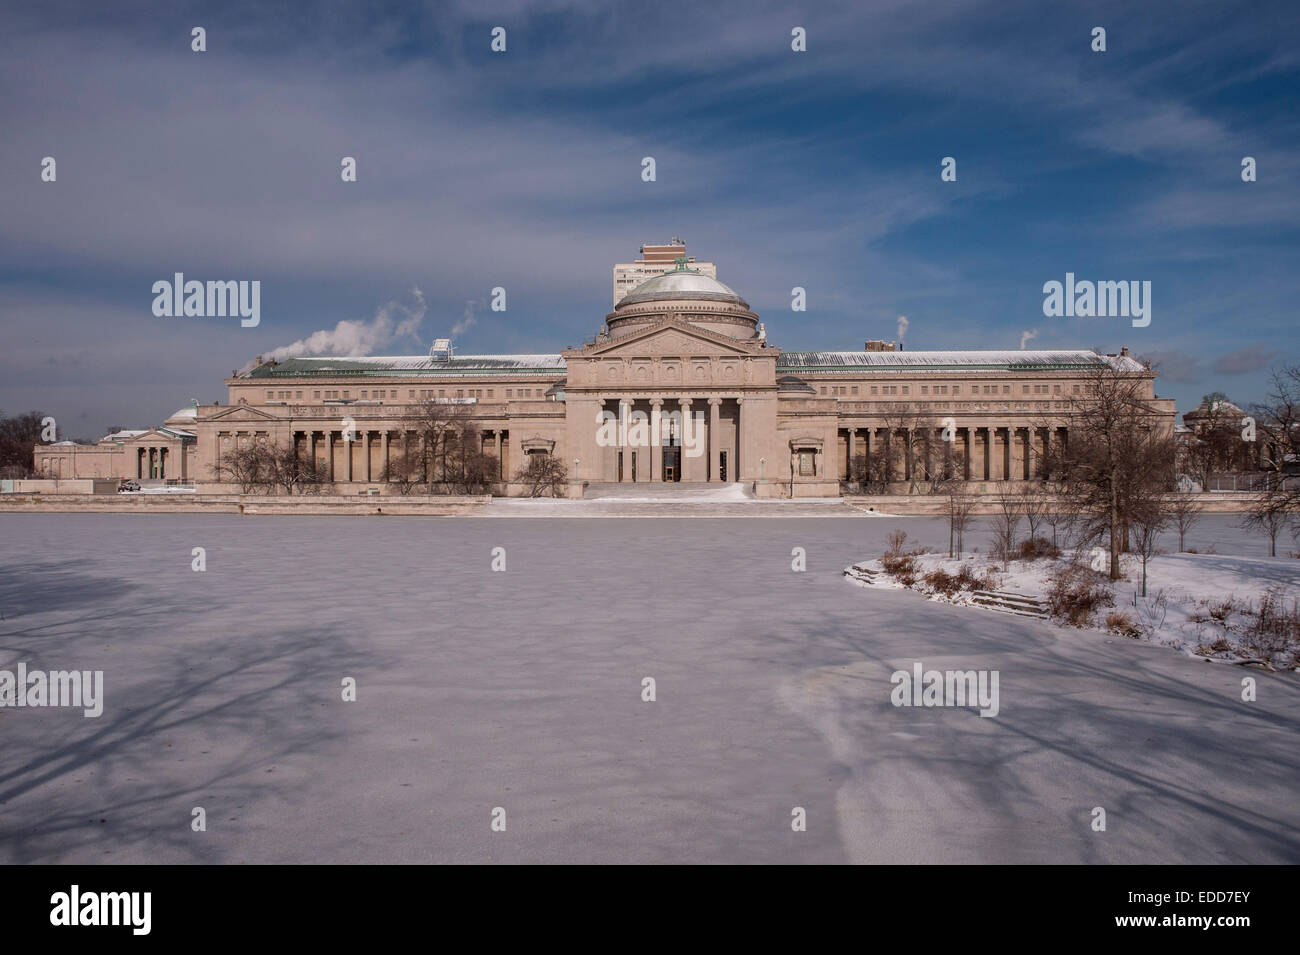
[(956, 360), (123, 435), (187, 412), (382, 364)]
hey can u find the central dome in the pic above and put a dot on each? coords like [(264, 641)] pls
[(688, 296), (681, 286)]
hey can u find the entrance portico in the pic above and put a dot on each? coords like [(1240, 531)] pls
[(667, 437)]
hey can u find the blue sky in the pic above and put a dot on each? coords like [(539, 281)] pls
[(522, 170)]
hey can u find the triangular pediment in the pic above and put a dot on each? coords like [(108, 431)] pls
[(672, 337), (240, 413)]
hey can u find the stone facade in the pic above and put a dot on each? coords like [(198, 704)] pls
[(680, 384)]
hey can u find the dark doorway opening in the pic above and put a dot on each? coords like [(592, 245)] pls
[(672, 464)]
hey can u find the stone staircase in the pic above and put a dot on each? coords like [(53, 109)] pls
[(1006, 602), (660, 491), (859, 573)]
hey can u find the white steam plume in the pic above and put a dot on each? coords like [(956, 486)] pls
[(391, 322), (902, 327), (467, 319), (1025, 336)]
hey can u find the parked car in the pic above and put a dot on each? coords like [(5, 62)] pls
[(126, 485)]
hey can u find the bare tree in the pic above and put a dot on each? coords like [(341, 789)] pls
[(1184, 511), (960, 507), (1005, 521), (1118, 458), (286, 468), (871, 473), (1265, 516), (1033, 505), (19, 436), (1278, 435), (246, 466), (404, 469), (439, 426), (544, 475), (909, 450), (1147, 521)]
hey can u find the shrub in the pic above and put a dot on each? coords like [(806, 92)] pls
[(902, 567), (1274, 628), (1038, 547), (942, 582), (895, 541), (1074, 593), (1120, 623)]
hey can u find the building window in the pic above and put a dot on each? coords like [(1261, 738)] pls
[(925, 389), (907, 389), (1006, 389), (270, 395), (873, 389), (855, 389), (315, 394)]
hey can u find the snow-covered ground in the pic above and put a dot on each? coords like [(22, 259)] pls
[(1183, 591), (522, 689)]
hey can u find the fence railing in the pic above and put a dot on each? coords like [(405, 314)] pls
[(1252, 481)]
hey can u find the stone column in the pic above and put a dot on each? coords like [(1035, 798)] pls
[(849, 449), (383, 453), (500, 465), (625, 426), (656, 440), (329, 454), (1006, 456), (968, 438), (350, 446), (1045, 468), (988, 454), (685, 404), (715, 431), (907, 454), (365, 446)]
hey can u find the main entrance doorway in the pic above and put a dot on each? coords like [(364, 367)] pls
[(672, 464)]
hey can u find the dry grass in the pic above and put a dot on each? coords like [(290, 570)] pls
[(1075, 593)]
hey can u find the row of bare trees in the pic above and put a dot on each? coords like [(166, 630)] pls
[(441, 453)]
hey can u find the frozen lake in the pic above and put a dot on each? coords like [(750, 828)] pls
[(522, 690)]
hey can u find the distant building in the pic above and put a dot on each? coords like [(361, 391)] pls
[(154, 454), (656, 260)]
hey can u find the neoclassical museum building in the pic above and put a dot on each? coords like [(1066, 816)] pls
[(679, 385)]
